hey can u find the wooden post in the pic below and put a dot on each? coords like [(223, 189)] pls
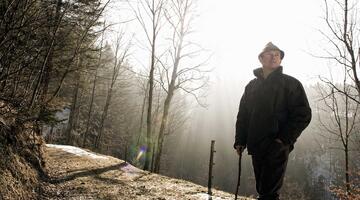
[(211, 164)]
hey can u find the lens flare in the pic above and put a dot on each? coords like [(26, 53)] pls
[(141, 152)]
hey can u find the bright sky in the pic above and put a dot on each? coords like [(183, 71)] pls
[(236, 31)]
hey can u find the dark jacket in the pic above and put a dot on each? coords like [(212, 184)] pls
[(275, 107)]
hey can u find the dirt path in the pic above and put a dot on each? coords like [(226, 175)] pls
[(85, 177)]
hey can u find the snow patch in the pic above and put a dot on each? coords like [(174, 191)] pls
[(204, 196), (131, 172), (77, 151), (131, 169)]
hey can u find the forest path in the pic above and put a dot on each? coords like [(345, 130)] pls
[(75, 175)]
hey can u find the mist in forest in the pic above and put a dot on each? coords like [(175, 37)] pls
[(314, 165), (226, 59), (153, 82)]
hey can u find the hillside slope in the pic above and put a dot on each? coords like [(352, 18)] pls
[(78, 174), (21, 163)]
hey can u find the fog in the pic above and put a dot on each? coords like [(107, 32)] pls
[(153, 82), (234, 32), (310, 163)]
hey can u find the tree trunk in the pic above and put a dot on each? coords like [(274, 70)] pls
[(93, 93), (73, 110), (148, 119), (117, 66), (347, 176), (153, 158), (48, 69), (16, 80), (42, 71), (103, 118), (161, 137), (150, 99), (142, 116), (4, 81), (167, 103), (90, 110), (77, 111)]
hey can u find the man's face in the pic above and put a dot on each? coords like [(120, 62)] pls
[(271, 59)]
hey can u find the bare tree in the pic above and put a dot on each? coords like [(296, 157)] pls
[(93, 89), (341, 123), (45, 66), (180, 73), (80, 45), (341, 99), (120, 56), (150, 10), (344, 38), (74, 107), (140, 130)]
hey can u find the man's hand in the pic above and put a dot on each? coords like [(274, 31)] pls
[(239, 149)]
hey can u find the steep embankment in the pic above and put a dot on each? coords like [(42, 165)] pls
[(20, 160), (18, 178), (78, 174)]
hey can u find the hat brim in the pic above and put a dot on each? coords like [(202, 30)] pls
[(282, 53)]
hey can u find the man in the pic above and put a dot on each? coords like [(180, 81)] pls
[(273, 112)]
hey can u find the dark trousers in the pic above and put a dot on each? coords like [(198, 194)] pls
[(270, 171)]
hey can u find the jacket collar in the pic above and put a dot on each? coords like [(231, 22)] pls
[(258, 73)]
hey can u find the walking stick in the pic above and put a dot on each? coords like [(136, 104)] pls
[(238, 179)]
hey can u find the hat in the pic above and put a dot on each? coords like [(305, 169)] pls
[(269, 47)]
